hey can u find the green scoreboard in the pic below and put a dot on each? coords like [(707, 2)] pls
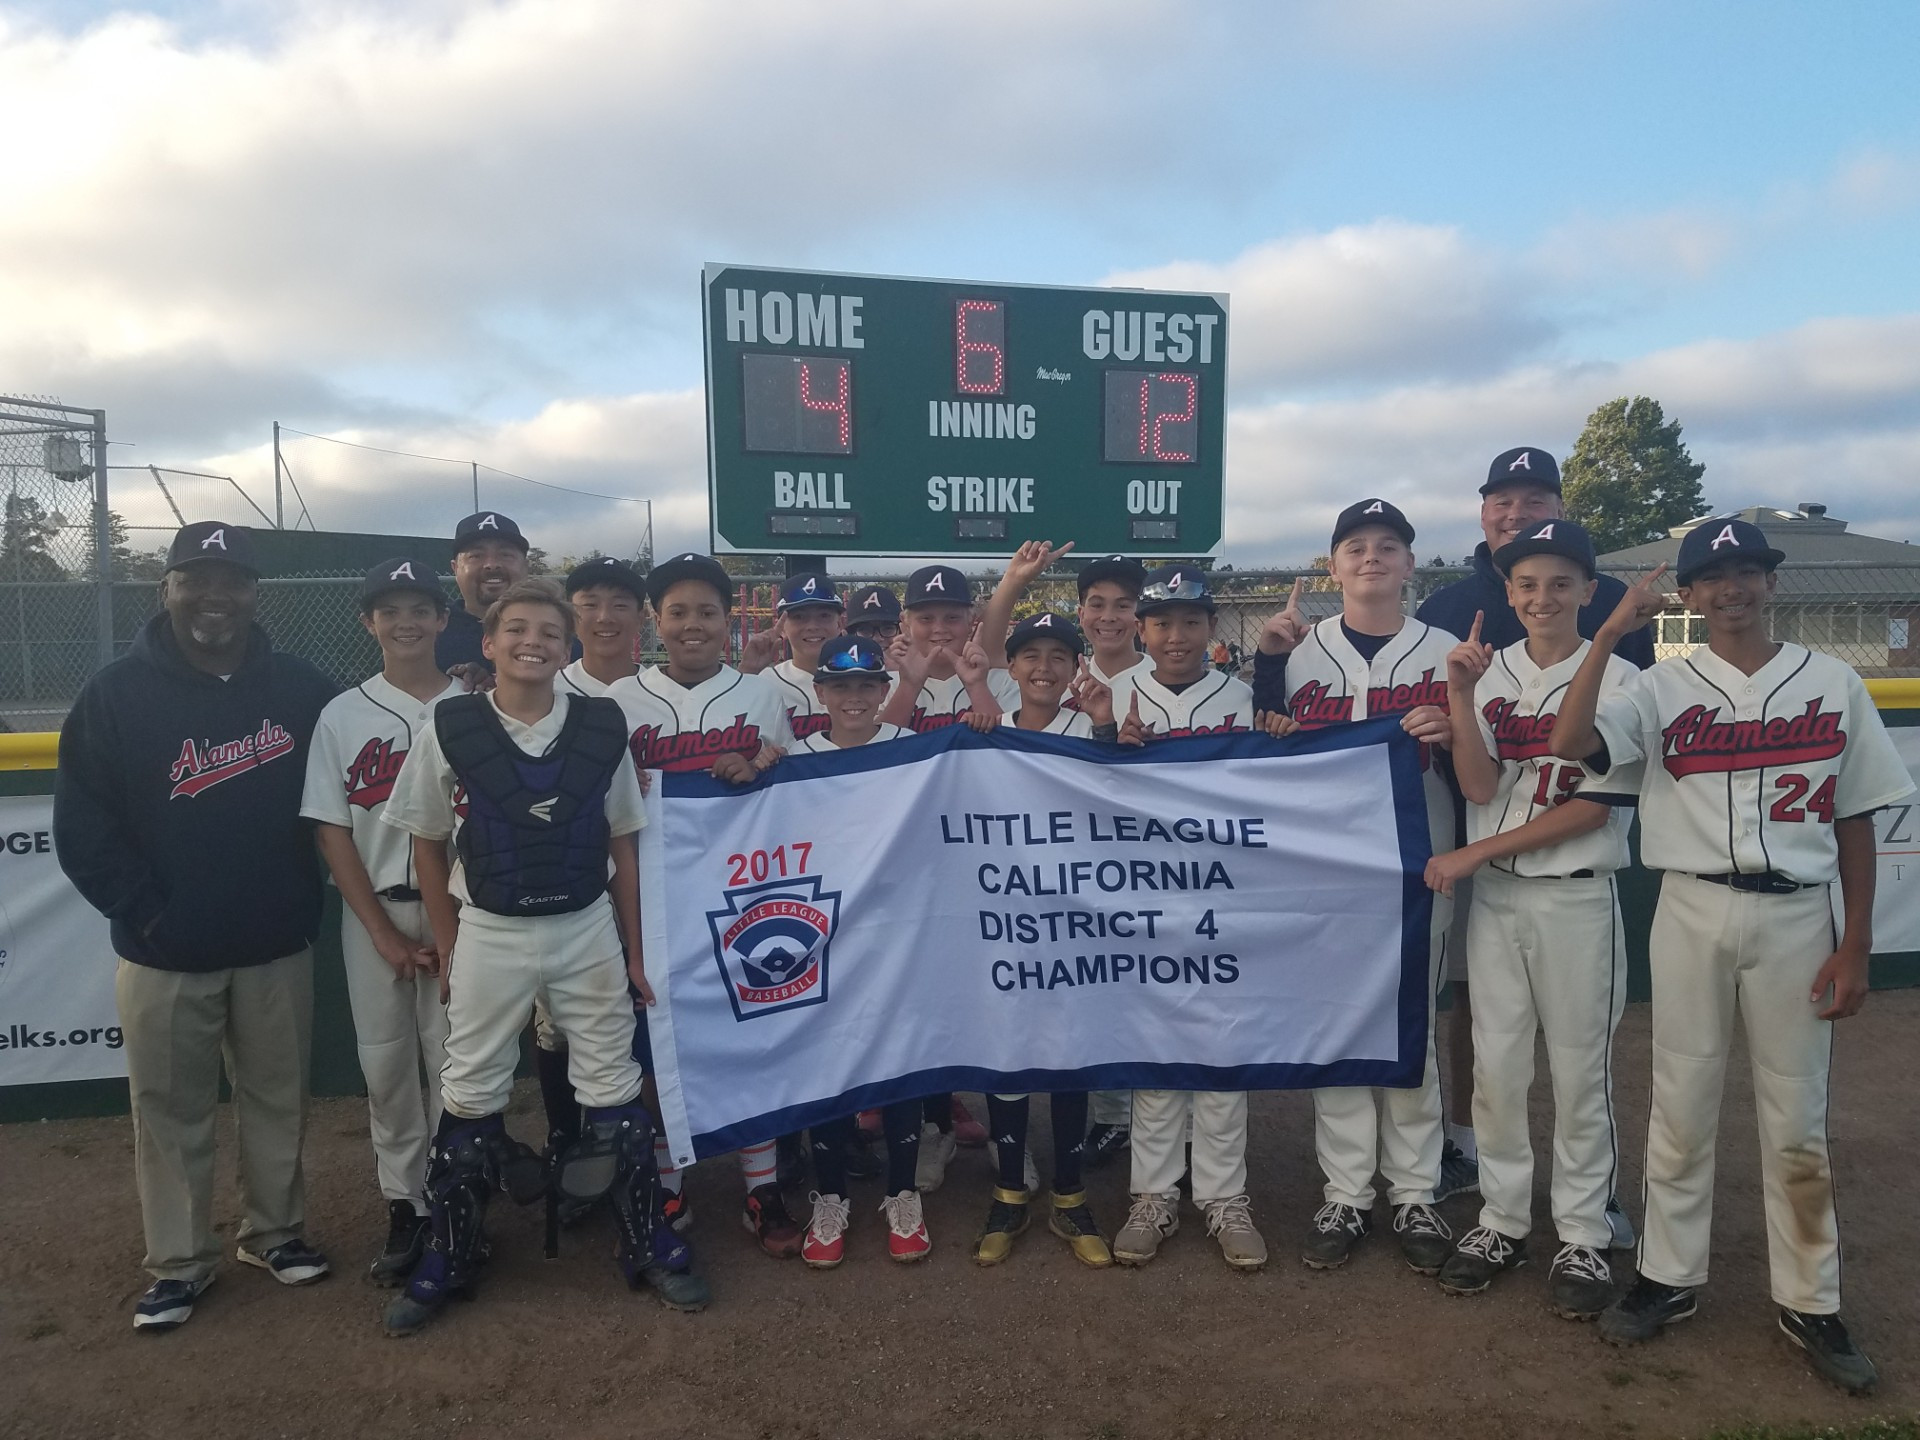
[(874, 415)]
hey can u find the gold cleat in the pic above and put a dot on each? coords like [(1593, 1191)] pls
[(1006, 1219), (1073, 1222)]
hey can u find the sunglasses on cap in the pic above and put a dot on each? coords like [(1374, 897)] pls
[(853, 662), (1192, 589)]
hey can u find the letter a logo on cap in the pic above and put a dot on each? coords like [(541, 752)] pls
[(215, 537), (406, 569), (873, 601), (807, 589), (1725, 537), (1378, 507), (489, 522), (1545, 532), (1046, 620), (1522, 461), (937, 581)]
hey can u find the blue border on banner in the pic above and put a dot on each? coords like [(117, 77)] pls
[(1410, 814)]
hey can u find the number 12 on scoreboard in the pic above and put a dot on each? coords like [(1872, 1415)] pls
[(1152, 417)]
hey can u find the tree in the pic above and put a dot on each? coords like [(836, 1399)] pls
[(123, 563), (26, 539), (1630, 479)]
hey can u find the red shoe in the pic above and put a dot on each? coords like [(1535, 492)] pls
[(869, 1122), (677, 1211), (907, 1238), (967, 1131), (826, 1242), (767, 1220)]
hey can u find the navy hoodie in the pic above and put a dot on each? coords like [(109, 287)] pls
[(176, 810), (1452, 609)]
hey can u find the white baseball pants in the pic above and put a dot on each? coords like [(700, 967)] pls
[(1111, 1107), (400, 1027), (1714, 949), (1159, 1138), (1546, 955), (1357, 1130), (574, 963)]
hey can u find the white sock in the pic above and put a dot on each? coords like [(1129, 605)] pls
[(760, 1164), (1462, 1136), (670, 1179)]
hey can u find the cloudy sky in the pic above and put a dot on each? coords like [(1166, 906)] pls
[(475, 230)]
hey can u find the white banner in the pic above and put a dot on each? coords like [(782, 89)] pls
[(1013, 912), (57, 1016), (1896, 896)]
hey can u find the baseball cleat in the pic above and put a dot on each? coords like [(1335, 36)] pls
[(1645, 1310), (1580, 1284), (1425, 1240), (291, 1262), (1230, 1221), (167, 1304), (967, 1131), (1459, 1175), (936, 1150), (1336, 1230), (1830, 1351), (907, 1238), (406, 1240), (826, 1242), (861, 1162), (1153, 1220), (1073, 1222), (767, 1220), (408, 1316), (1479, 1257), (1620, 1225), (1006, 1218), (677, 1211), (1106, 1141)]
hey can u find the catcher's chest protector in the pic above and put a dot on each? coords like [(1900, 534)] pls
[(534, 840)]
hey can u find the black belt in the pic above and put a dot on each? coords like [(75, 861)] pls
[(1767, 882), (398, 892)]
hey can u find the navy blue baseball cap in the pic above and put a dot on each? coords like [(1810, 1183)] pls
[(1565, 538), (937, 585), (1722, 538), (801, 591), (690, 566), (847, 656), (1125, 571), (1522, 465), (873, 605), (1175, 584), (606, 570), (1372, 511), (483, 526), (213, 540), (1045, 626), (402, 573)]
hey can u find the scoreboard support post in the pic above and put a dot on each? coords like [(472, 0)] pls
[(876, 415)]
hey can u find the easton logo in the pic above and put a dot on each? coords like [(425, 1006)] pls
[(770, 942), (543, 809), (654, 749), (1315, 704), (201, 765), (1699, 742), (1517, 736), (371, 775)]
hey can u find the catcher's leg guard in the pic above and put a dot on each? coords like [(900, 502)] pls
[(461, 1176)]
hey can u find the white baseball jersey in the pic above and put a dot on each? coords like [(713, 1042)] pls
[(1064, 722), (575, 678), (427, 799), (945, 702), (818, 743), (1747, 773), (360, 742), (806, 713), (1212, 705), (679, 728), (1516, 703), (1330, 683), (1093, 669)]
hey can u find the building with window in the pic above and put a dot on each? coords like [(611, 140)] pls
[(1853, 596)]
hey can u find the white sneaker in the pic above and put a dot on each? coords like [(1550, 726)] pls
[(936, 1150), (826, 1244), (1230, 1222), (1029, 1172), (907, 1238), (1152, 1219)]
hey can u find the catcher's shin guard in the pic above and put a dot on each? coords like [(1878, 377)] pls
[(462, 1175)]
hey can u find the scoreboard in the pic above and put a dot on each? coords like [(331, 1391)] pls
[(874, 415)]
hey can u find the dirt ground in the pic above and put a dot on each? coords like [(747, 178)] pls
[(1040, 1347)]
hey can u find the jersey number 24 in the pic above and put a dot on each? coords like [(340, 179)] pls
[(1795, 801)]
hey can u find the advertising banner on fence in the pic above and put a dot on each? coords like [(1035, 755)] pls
[(1896, 898), (1013, 911), (57, 1016)]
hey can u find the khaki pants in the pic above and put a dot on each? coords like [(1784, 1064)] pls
[(1715, 951), (178, 1027)]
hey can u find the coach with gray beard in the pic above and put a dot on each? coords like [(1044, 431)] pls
[(176, 813)]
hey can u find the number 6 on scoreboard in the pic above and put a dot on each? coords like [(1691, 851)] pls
[(980, 347)]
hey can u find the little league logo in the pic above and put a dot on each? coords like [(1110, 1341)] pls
[(770, 942)]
